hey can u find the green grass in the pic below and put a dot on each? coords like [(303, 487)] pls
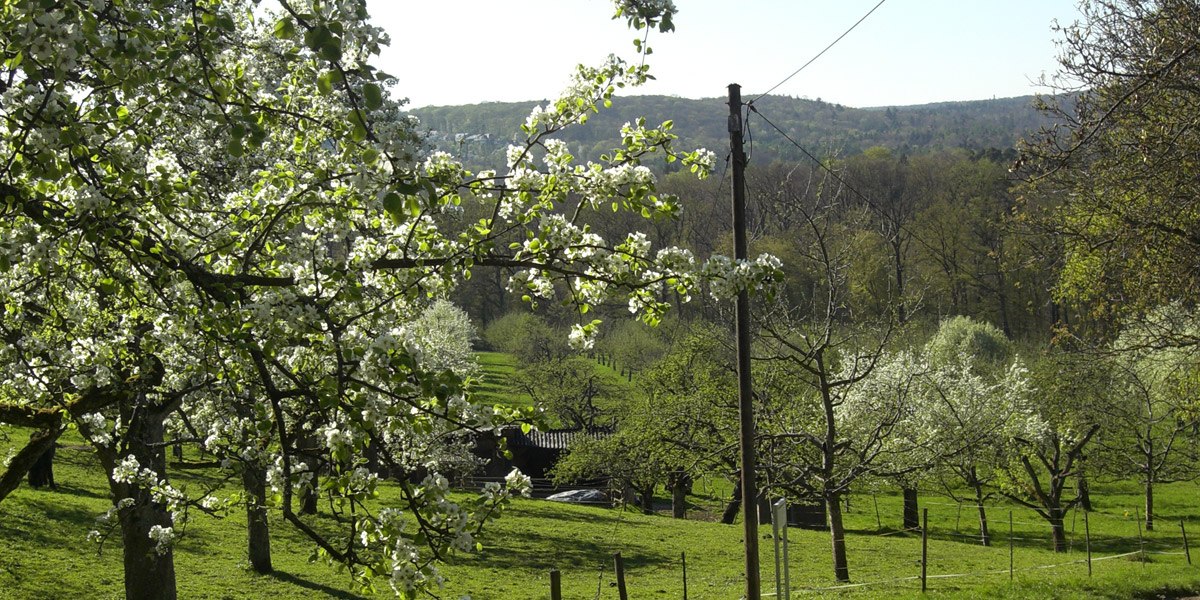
[(497, 386), (44, 554)]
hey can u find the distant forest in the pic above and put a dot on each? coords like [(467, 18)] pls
[(481, 132), (923, 195)]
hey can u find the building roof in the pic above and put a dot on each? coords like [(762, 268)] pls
[(552, 439)]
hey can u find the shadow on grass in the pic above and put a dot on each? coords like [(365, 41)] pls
[(567, 550), (548, 509), (63, 489), (327, 591), (55, 511), (44, 522)]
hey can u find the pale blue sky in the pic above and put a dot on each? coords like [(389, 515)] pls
[(907, 52)]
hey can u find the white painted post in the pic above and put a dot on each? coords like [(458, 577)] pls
[(780, 525)]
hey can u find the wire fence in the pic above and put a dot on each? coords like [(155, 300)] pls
[(1007, 546)]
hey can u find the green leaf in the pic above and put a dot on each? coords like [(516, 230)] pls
[(393, 204), (285, 28), (373, 95), (325, 82), (332, 50), (358, 130), (317, 37)]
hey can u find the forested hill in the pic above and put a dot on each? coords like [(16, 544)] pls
[(480, 132)]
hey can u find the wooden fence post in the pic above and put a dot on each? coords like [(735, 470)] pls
[(1137, 514), (620, 565), (924, 549), (683, 559), (1087, 538), (555, 585), (1186, 551), (878, 521)]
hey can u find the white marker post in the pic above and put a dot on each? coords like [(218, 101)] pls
[(779, 528)]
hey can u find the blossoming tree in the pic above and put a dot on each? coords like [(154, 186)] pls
[(217, 206)]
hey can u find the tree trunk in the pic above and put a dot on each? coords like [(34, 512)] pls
[(1057, 533), (912, 516), (149, 565), (734, 506), (1149, 503), (901, 309), (149, 572), (41, 474), (647, 500), (984, 536), (679, 491), (259, 533), (308, 453), (372, 452), (1001, 294), (308, 498), (679, 502), (837, 534), (24, 460)]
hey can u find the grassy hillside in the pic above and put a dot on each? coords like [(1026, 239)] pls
[(498, 383), (44, 554)]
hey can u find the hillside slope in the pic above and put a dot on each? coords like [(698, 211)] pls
[(480, 132)]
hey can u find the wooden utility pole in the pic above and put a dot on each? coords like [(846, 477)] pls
[(746, 435)]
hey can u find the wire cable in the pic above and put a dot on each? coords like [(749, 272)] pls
[(900, 226), (819, 54), (746, 132), (816, 160)]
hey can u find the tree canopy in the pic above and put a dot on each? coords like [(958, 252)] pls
[(1121, 164), (217, 208)]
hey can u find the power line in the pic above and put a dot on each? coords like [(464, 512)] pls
[(816, 160), (819, 54), (900, 226)]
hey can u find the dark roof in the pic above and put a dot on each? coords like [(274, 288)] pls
[(553, 439)]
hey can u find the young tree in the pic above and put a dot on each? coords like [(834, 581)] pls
[(527, 337), (823, 434), (570, 391), (975, 394), (447, 335), (1151, 415), (1048, 449), (632, 345), (680, 425)]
